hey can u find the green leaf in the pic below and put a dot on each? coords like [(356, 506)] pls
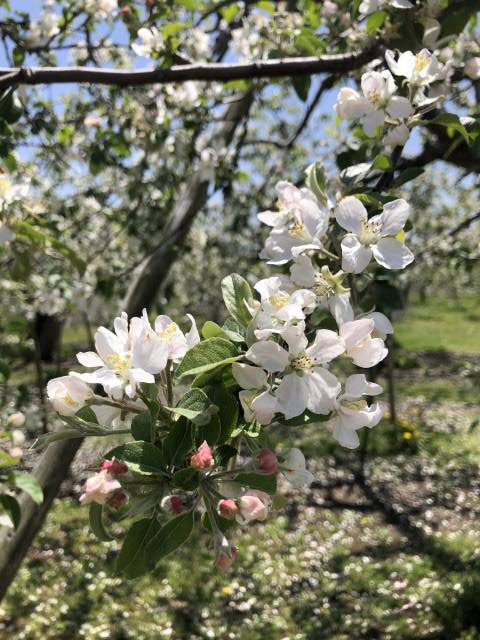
[(307, 42), (170, 537), (375, 22), (382, 162), (26, 482), (207, 355), (178, 442), (194, 405), (133, 555), (262, 482), (188, 479), (141, 457), (11, 506), (213, 330), (408, 174), (142, 426), (317, 181), (456, 20), (88, 414), (96, 522), (301, 85), (452, 122), (237, 295), (228, 411)]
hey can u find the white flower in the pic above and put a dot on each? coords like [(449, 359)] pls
[(152, 41), (397, 136), (352, 412), (281, 304), (472, 68), (370, 6), (68, 394), (382, 327), (171, 336), (125, 358), (256, 400), (355, 339), (369, 237), (326, 287), (305, 385), (43, 29), (16, 419), (100, 8), (298, 225), (378, 101), (293, 468), (420, 70)]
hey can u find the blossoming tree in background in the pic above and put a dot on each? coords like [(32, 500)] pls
[(197, 408)]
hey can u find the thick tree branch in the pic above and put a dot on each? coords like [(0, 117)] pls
[(212, 72)]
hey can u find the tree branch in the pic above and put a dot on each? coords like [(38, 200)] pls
[(212, 72)]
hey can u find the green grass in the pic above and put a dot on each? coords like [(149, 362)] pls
[(441, 324)]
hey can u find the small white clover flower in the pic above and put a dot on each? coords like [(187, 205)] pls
[(372, 237)]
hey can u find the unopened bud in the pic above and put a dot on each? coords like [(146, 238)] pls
[(114, 467), (267, 461), (203, 457), (172, 503), (117, 500), (16, 420), (227, 508)]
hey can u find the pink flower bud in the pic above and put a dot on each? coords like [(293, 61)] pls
[(99, 488), (227, 508), (267, 461), (225, 560), (173, 504), (115, 467), (117, 500), (203, 458), (254, 505)]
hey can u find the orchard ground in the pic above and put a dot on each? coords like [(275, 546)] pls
[(390, 551)]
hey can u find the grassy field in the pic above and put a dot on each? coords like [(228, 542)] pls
[(441, 324), (396, 557)]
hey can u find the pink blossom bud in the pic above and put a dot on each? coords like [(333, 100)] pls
[(173, 504), (203, 458), (227, 508), (117, 500), (115, 467), (267, 461), (225, 560), (99, 488), (254, 506)]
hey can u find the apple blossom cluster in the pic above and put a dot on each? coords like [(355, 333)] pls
[(203, 452), (379, 107)]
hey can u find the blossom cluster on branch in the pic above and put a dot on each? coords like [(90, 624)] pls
[(206, 452)]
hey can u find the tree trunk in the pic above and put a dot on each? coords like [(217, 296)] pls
[(55, 462)]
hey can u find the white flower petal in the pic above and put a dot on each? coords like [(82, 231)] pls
[(268, 355), (392, 254), (292, 395), (350, 213), (355, 256), (395, 215), (249, 377), (399, 107), (89, 359)]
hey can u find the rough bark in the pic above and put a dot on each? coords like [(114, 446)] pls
[(55, 462)]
